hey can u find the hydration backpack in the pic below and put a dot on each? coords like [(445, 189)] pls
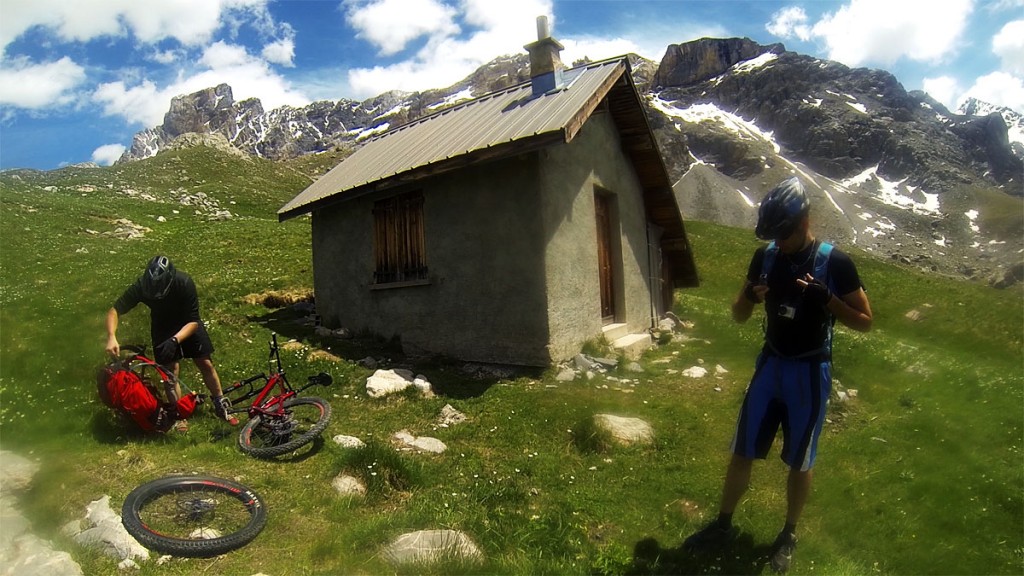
[(819, 271), (123, 390)]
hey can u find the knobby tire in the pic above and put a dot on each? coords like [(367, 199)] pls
[(257, 438), (193, 516)]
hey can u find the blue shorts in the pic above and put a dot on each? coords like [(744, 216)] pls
[(789, 393)]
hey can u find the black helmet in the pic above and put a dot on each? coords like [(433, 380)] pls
[(781, 210), (156, 280)]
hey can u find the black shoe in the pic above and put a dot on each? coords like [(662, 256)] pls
[(782, 551), (714, 535)]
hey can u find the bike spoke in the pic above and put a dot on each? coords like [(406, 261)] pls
[(194, 513)]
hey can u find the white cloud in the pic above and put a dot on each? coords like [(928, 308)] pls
[(280, 52), (190, 22), (999, 88), (36, 86), (248, 76), (945, 89), (450, 51), (107, 154), (790, 22), (392, 24), (884, 31), (1008, 44)]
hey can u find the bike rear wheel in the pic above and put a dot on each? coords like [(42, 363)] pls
[(269, 435), (193, 516)]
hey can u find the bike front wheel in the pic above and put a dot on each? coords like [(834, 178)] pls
[(300, 422), (193, 516)]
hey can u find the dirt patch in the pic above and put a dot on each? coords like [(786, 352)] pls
[(279, 298), (322, 355)]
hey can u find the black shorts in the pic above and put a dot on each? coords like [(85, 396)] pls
[(198, 345)]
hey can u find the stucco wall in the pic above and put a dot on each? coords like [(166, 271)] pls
[(486, 298), (570, 174)]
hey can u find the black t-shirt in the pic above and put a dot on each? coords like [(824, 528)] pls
[(807, 328), (179, 307)]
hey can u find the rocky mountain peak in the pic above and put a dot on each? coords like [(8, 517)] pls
[(704, 59)]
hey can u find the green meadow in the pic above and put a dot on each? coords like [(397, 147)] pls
[(921, 473)]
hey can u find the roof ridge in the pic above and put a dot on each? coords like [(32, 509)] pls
[(487, 96)]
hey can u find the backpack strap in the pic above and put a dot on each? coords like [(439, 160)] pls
[(770, 253)]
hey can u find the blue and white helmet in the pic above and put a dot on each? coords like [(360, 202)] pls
[(156, 280), (781, 210)]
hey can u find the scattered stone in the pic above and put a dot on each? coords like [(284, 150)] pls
[(606, 363), (427, 546), (450, 416), (106, 533), (625, 430), (384, 382), (422, 443), (719, 369), (368, 362), (695, 372), (913, 315), (583, 362), (667, 325), (566, 375), (423, 385), (346, 485), (634, 367), (348, 441)]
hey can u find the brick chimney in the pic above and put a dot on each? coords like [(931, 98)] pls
[(545, 63)]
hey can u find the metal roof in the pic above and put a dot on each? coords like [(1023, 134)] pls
[(510, 116)]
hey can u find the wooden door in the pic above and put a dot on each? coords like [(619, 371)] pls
[(604, 256)]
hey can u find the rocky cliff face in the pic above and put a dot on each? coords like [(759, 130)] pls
[(892, 171)]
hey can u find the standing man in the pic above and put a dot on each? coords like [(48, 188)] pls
[(176, 329), (805, 286)]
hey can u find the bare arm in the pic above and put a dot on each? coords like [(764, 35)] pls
[(853, 310), (113, 347)]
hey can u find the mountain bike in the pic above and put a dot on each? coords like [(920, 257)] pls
[(280, 421), (193, 516)]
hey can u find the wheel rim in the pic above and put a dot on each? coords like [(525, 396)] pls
[(195, 512)]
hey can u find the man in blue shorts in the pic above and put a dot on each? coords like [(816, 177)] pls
[(176, 329), (805, 286)]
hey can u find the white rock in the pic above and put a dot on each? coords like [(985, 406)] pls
[(108, 534), (348, 441), (625, 430), (430, 546), (422, 443), (566, 375), (695, 372), (384, 382), (719, 369), (346, 485)]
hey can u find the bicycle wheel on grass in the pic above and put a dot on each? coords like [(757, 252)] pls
[(267, 436), (193, 516)]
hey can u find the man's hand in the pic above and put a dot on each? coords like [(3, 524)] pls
[(113, 347), (755, 292), (815, 291), (167, 351)]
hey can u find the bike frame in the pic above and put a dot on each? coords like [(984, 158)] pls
[(262, 405)]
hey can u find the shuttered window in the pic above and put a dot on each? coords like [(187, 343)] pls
[(398, 240)]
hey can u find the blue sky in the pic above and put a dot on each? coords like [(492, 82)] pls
[(78, 78)]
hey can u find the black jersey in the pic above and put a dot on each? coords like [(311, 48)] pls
[(794, 327), (168, 314)]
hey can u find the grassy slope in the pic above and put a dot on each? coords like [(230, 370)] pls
[(920, 474)]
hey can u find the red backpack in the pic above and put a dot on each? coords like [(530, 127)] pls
[(123, 389)]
